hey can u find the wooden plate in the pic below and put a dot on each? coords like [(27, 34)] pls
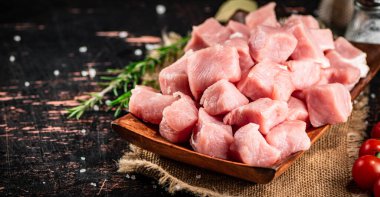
[(147, 137)]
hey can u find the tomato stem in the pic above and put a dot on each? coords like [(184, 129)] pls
[(377, 154)]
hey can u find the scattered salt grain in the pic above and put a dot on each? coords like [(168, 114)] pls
[(83, 49), (177, 187), (236, 35), (154, 186), (27, 84), (82, 170), (83, 131), (138, 52), (56, 72), (127, 176), (373, 95), (84, 73), (92, 72), (43, 182), (82, 158), (96, 108), (151, 46), (17, 38), (198, 176), (160, 9), (133, 177), (123, 34), (108, 102), (93, 184), (12, 58)]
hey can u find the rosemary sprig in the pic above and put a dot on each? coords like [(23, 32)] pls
[(127, 78)]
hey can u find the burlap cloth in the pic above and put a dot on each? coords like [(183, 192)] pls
[(325, 170)]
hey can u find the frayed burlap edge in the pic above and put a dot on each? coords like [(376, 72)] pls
[(132, 162)]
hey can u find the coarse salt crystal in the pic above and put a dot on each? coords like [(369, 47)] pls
[(93, 184), (82, 158), (83, 131), (123, 34), (138, 52), (82, 170), (17, 38), (27, 84), (160, 9), (56, 72), (84, 73), (83, 49), (12, 58), (133, 177), (373, 95), (127, 176), (92, 72), (198, 176), (96, 108), (43, 182)]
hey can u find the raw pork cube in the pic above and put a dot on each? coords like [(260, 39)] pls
[(238, 29), (304, 73), (211, 137), (178, 120), (324, 38), (174, 78), (222, 97), (307, 48), (345, 54), (266, 15), (250, 147), (146, 103), (289, 137), (245, 60), (297, 110), (347, 75), (207, 66), (209, 33), (328, 104), (267, 79), (308, 20), (265, 112), (269, 43)]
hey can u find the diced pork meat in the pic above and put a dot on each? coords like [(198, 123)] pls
[(147, 104), (222, 97), (174, 77), (297, 110), (289, 137), (266, 15), (324, 38), (269, 43), (207, 66), (345, 54), (251, 148), (346, 75), (178, 120), (245, 60), (209, 33), (265, 112), (306, 47), (328, 104), (211, 137), (304, 73), (308, 20), (267, 79), (238, 29)]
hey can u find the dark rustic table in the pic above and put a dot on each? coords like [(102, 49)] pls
[(46, 50)]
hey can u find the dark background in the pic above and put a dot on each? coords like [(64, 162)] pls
[(41, 151)]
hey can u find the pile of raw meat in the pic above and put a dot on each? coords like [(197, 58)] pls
[(247, 92)]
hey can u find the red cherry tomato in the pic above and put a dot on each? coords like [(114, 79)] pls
[(366, 171), (375, 133), (370, 147), (376, 188)]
